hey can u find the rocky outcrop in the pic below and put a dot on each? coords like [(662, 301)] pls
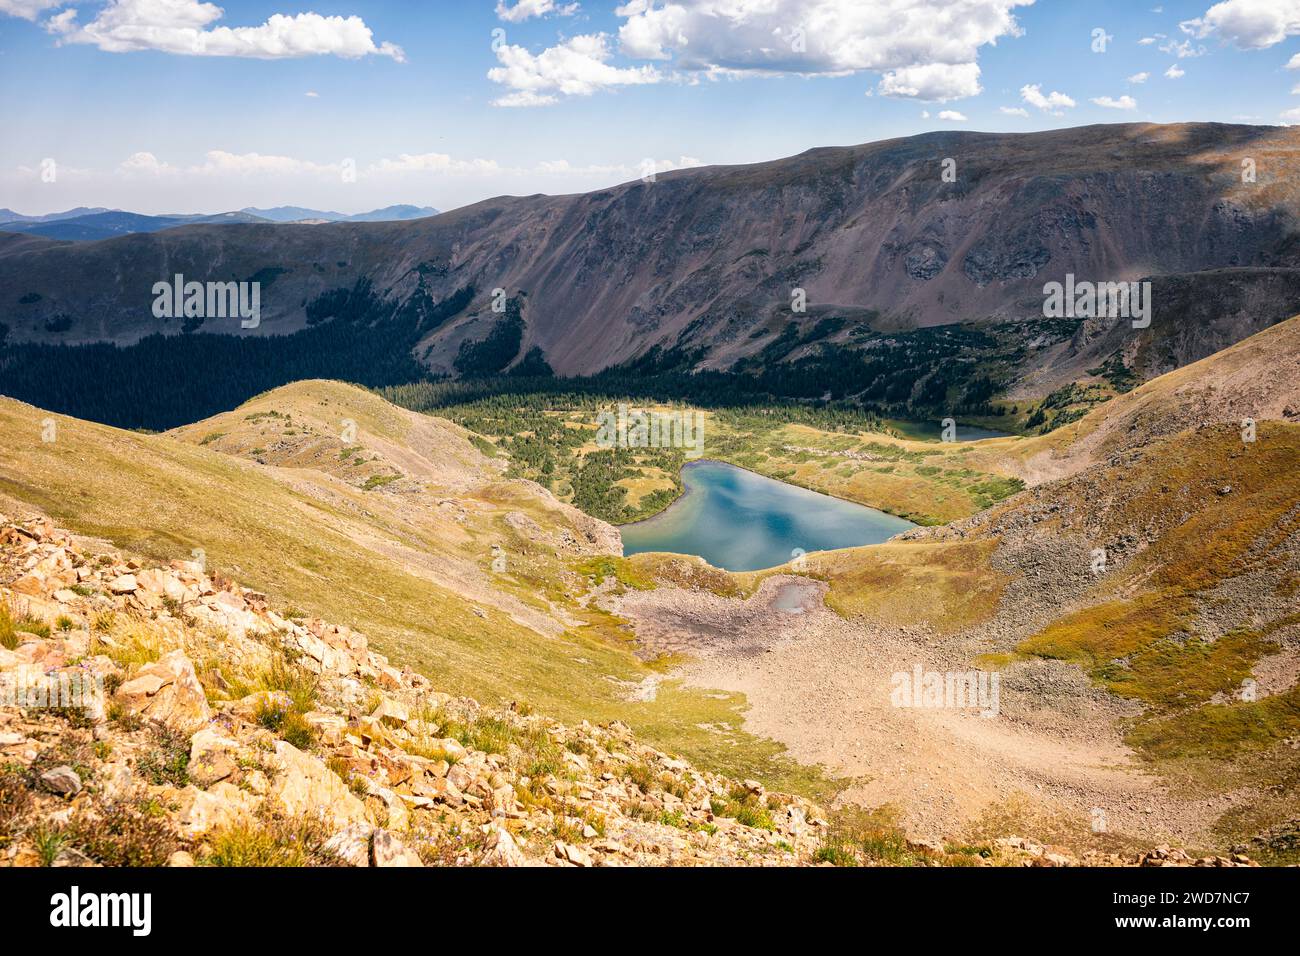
[(247, 727), (169, 693)]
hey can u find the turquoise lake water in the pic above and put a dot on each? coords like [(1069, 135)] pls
[(741, 521)]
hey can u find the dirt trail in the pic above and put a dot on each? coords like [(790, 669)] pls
[(822, 685)]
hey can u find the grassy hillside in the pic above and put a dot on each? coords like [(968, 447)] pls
[(409, 562)]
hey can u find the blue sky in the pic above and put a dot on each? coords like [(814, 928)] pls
[(179, 106)]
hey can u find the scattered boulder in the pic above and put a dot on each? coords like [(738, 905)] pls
[(502, 850), (386, 850), (168, 692), (351, 844), (213, 757), (62, 780), (124, 584), (221, 806), (305, 787)]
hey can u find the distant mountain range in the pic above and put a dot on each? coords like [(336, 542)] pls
[(300, 214), (9, 216), (921, 291), (85, 224)]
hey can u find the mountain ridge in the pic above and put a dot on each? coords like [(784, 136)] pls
[(701, 263)]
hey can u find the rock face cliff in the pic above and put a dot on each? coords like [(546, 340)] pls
[(706, 259)]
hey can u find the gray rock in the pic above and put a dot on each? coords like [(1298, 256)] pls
[(62, 780)]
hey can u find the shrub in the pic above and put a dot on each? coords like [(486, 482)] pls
[(836, 854), (8, 630), (643, 775), (34, 625), (48, 843), (134, 644), (271, 842), (300, 685), (492, 735), (16, 803), (745, 808), (10, 626), (289, 723), (167, 764), (121, 834), (128, 720)]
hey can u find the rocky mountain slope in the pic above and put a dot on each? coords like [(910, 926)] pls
[(207, 727), (168, 716), (704, 260), (1255, 380), (1158, 686)]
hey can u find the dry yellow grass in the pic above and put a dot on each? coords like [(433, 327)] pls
[(391, 562)]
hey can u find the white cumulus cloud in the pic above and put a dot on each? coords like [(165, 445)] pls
[(185, 27), (577, 67), (1111, 103), (1175, 71), (952, 116), (1247, 24), (1013, 110), (932, 82), (922, 49), (1054, 102), (1139, 77)]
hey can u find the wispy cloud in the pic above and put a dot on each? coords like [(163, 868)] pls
[(223, 164), (527, 9), (29, 9)]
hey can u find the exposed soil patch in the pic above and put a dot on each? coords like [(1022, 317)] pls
[(821, 685)]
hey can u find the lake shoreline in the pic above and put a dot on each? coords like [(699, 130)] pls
[(740, 520), (921, 520)]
